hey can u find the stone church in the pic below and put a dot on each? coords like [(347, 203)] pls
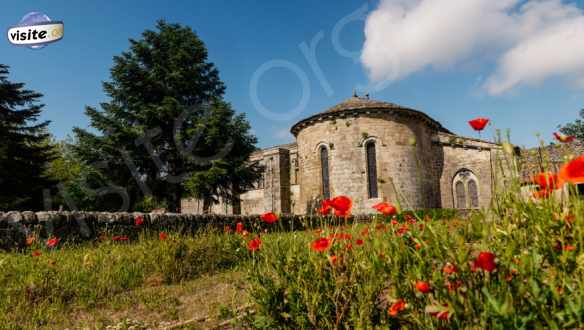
[(371, 151)]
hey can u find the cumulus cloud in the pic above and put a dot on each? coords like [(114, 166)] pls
[(529, 40)]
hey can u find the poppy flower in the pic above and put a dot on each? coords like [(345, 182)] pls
[(36, 253), (449, 269), (321, 244), (542, 194), (245, 233), (365, 232), (325, 207), (453, 285), (227, 229), (478, 124), (269, 217), (564, 138), (139, 221), (341, 236), (418, 246), (120, 238), (30, 240), (573, 172), (239, 227), (394, 222), (342, 205), (254, 244), (546, 181), (52, 242), (333, 259), (397, 307), (163, 236), (359, 242), (349, 246), (385, 209), (439, 312), (569, 248), (485, 261), (423, 287)]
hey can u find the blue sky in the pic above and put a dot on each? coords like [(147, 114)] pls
[(244, 35)]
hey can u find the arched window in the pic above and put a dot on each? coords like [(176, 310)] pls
[(465, 190), (371, 169), (326, 192), (460, 195), (473, 194)]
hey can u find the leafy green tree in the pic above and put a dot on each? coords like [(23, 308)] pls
[(575, 128), (166, 122), (24, 151)]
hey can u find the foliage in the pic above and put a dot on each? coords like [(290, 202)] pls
[(575, 128), (165, 122), (24, 151)]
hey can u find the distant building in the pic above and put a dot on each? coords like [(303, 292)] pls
[(371, 151)]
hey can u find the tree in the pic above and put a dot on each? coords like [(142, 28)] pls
[(575, 128), (24, 151), (166, 121)]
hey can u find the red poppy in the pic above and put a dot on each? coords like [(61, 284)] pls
[(365, 232), (138, 221), (418, 246), (269, 217), (439, 312), (397, 307), (30, 240), (326, 207), (394, 222), (564, 138), (342, 205), (52, 242), (349, 246), (546, 180), (540, 194), (449, 269), (120, 238), (402, 230), (485, 261), (227, 229), (36, 253), (569, 248), (321, 244), (573, 172), (423, 287), (385, 209), (478, 124), (341, 236), (239, 227), (163, 236), (359, 242), (333, 259), (453, 285), (254, 244)]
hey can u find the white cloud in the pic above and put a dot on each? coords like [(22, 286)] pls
[(530, 40)]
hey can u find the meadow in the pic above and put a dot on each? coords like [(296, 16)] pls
[(516, 265)]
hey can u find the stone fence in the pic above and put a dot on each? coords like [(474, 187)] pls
[(74, 227)]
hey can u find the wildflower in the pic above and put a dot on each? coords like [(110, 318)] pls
[(439, 312), (423, 287), (321, 244), (36, 253), (564, 138), (163, 236), (227, 229), (540, 194), (139, 221), (449, 269), (546, 181), (333, 259), (349, 246), (402, 230), (485, 261), (254, 244), (394, 222), (326, 207), (52, 242), (453, 285), (478, 124), (342, 205), (359, 242), (318, 231), (30, 240), (245, 233), (269, 217), (569, 248), (418, 246), (397, 307), (573, 172), (120, 238), (385, 208), (365, 232), (341, 236), (239, 227)]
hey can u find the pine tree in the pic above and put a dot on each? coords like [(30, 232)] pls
[(24, 148), (166, 122)]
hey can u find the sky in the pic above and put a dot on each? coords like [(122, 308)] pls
[(519, 63)]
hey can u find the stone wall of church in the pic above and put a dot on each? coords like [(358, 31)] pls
[(456, 154), (404, 161)]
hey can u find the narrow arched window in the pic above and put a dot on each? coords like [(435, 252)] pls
[(460, 195), (473, 194), (371, 169), (326, 192)]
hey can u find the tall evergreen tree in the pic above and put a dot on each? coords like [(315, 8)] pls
[(166, 122), (24, 148)]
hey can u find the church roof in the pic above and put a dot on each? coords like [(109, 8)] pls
[(363, 104)]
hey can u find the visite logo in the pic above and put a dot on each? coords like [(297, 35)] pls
[(35, 30)]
